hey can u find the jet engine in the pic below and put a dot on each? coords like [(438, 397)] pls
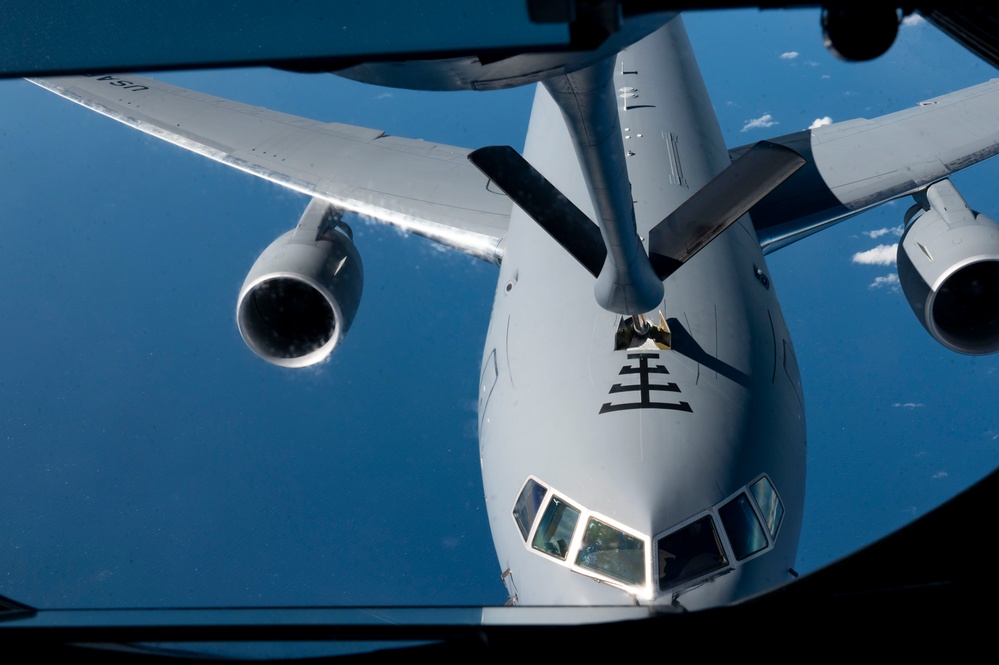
[(301, 294), (948, 266)]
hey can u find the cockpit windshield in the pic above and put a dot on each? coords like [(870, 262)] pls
[(690, 552), (720, 539), (743, 527), (612, 552), (555, 531)]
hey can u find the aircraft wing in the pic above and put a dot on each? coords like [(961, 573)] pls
[(857, 164), (426, 188)]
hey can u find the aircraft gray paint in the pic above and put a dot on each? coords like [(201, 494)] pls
[(622, 462)]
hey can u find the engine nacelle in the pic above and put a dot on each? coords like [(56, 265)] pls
[(948, 266), (301, 294)]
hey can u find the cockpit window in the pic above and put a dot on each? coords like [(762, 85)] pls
[(612, 552), (742, 526), (691, 552), (769, 503), (716, 542), (527, 505), (555, 530)]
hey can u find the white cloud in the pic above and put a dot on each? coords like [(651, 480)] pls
[(882, 255), (789, 55), (940, 474), (913, 19), (826, 76), (908, 405), (889, 281), (384, 95), (819, 122), (765, 120), (877, 233)]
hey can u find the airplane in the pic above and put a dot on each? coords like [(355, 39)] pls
[(298, 40), (637, 445)]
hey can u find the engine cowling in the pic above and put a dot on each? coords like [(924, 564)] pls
[(302, 293), (948, 266)]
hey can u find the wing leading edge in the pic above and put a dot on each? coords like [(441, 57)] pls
[(433, 190), (855, 165), (426, 188)]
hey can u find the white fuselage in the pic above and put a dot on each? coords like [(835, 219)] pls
[(718, 410)]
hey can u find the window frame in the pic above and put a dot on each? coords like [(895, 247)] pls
[(645, 591)]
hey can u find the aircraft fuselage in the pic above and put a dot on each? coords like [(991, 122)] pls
[(639, 441)]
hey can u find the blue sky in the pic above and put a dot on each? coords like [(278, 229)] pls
[(147, 458)]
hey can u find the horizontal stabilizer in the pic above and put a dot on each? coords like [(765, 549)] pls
[(712, 209), (543, 203)]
